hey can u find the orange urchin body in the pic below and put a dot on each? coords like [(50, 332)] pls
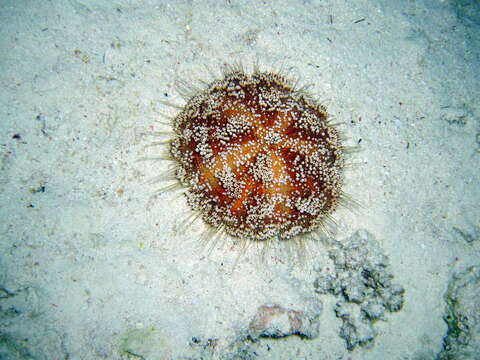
[(259, 158)]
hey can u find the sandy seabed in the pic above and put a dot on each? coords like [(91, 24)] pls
[(94, 264)]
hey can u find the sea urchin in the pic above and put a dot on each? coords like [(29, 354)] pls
[(258, 157)]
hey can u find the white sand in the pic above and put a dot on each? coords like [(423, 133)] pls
[(92, 265)]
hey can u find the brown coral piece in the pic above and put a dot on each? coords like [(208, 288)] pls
[(276, 321)]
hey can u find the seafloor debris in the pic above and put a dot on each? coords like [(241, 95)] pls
[(456, 115), (145, 342), (360, 278), (22, 318), (275, 321), (462, 340), (271, 321), (469, 233)]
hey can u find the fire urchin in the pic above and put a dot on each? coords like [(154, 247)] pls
[(259, 158)]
